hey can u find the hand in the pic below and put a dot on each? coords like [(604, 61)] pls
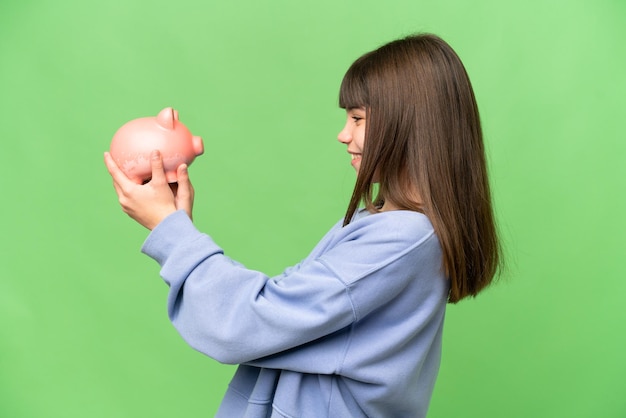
[(150, 203)]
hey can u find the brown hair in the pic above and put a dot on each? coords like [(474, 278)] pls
[(423, 134)]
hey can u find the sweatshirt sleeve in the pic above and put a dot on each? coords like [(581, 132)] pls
[(233, 314), (236, 315)]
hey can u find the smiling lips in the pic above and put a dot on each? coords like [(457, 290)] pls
[(356, 157)]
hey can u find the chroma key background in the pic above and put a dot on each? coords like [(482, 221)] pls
[(83, 326)]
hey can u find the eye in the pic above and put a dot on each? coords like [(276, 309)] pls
[(356, 114), (357, 119)]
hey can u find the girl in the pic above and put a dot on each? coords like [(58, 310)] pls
[(355, 329)]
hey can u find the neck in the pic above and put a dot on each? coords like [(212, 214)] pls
[(414, 202), (388, 205)]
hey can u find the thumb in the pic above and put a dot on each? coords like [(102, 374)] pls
[(156, 162), (185, 193)]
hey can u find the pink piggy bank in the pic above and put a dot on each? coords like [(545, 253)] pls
[(134, 141)]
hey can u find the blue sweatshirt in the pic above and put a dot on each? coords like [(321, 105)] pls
[(354, 330)]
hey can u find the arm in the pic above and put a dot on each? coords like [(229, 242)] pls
[(219, 307), (236, 315)]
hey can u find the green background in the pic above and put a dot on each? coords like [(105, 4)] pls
[(83, 329)]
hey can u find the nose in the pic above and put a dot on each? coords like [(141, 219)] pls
[(344, 135)]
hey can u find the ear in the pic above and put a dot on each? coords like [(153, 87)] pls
[(165, 118), (176, 115)]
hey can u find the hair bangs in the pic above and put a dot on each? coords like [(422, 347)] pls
[(353, 91)]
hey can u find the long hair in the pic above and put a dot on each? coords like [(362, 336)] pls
[(423, 134)]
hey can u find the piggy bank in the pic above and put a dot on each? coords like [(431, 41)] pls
[(133, 143)]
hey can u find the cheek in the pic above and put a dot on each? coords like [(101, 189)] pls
[(360, 138)]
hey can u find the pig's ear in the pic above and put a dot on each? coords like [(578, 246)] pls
[(166, 117), (176, 115)]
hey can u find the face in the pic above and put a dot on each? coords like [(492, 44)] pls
[(353, 134)]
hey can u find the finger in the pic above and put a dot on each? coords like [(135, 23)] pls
[(184, 195), (119, 178), (158, 172), (118, 188), (184, 185)]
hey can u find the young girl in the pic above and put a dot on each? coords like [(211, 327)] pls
[(355, 329)]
